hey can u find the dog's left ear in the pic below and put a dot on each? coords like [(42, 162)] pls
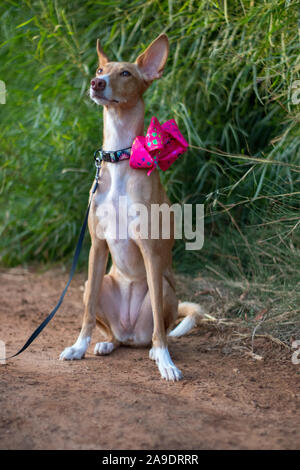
[(151, 62), (103, 59)]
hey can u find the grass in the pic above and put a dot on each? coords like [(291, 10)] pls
[(229, 84)]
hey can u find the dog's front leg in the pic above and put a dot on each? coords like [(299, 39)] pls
[(159, 351), (97, 266)]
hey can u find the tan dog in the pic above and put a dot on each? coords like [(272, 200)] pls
[(135, 303)]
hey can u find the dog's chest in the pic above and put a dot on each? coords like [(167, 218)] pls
[(113, 209), (116, 217)]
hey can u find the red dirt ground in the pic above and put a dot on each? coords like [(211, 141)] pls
[(227, 400)]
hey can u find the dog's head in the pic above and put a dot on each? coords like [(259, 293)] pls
[(123, 83)]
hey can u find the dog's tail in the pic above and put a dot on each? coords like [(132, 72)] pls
[(192, 313)]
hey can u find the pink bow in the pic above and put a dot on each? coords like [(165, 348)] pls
[(162, 145)]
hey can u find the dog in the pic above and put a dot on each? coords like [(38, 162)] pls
[(135, 303)]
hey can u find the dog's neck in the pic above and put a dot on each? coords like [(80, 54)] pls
[(122, 125)]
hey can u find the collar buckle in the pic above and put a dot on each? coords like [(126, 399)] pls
[(111, 156)]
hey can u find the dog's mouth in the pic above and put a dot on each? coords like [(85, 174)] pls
[(98, 97)]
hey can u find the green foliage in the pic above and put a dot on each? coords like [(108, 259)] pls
[(228, 82)]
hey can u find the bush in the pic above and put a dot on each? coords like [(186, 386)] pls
[(228, 82)]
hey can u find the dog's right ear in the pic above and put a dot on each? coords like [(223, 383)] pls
[(103, 59), (151, 62)]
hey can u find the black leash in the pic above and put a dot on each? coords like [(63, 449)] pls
[(73, 268)]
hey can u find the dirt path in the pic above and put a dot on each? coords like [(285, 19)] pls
[(226, 400)]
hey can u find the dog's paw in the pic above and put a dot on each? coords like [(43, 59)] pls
[(71, 353), (170, 372), (77, 351), (102, 349), (166, 366), (152, 354)]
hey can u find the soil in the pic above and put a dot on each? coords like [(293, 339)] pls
[(229, 399)]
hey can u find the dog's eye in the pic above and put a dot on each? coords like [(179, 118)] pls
[(99, 70), (125, 73)]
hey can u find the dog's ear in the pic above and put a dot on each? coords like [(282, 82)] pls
[(103, 59), (151, 62)]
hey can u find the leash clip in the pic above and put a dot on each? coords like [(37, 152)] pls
[(98, 162), (98, 166), (97, 158)]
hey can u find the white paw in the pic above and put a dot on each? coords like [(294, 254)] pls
[(101, 349), (166, 366), (152, 354), (77, 351)]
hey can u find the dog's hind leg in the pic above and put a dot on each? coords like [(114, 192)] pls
[(97, 266)]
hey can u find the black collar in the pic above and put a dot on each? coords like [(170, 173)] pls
[(112, 156)]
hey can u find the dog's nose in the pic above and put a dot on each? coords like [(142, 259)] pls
[(98, 83)]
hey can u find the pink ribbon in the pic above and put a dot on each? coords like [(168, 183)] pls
[(161, 146)]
